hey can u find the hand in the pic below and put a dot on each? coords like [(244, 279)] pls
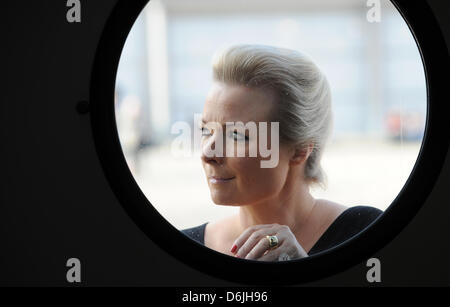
[(253, 244)]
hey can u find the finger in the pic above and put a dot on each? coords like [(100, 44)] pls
[(258, 251), (276, 254), (245, 235), (251, 242), (254, 239)]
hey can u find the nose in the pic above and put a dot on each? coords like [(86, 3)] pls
[(212, 150)]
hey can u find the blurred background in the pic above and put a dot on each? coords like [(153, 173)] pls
[(374, 69)]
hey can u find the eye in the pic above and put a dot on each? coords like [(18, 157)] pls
[(239, 137), (205, 131)]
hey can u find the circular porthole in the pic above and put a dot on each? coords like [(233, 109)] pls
[(401, 211)]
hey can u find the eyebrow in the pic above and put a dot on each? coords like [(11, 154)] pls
[(223, 125)]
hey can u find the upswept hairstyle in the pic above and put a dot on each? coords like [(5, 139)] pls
[(304, 97)]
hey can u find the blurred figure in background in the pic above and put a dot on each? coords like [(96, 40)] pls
[(128, 115), (403, 125)]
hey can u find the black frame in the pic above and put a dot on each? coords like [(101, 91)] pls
[(427, 33)]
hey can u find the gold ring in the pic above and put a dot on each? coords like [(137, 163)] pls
[(273, 241)]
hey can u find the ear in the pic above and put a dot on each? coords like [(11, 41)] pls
[(301, 154)]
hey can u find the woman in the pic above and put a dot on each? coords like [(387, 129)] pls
[(278, 218)]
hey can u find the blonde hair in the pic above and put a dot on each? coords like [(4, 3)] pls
[(302, 90)]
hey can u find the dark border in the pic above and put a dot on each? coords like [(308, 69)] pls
[(413, 195)]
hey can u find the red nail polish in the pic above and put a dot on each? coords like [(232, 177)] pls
[(237, 256), (233, 249)]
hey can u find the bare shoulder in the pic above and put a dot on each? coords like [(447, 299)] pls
[(329, 209)]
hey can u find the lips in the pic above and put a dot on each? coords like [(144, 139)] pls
[(217, 179)]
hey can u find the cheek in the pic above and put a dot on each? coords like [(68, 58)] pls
[(252, 177)]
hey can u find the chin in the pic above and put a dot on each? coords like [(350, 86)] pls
[(223, 201)]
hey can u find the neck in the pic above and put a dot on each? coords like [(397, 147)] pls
[(291, 207)]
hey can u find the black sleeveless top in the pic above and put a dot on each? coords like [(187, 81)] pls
[(346, 225)]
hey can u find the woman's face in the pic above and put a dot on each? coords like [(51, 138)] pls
[(235, 180)]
